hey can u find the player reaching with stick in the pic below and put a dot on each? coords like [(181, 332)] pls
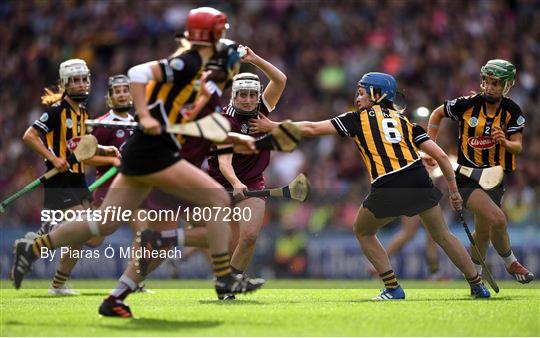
[(400, 184)]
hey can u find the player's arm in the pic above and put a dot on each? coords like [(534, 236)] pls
[(434, 123), (102, 161), (307, 128), (435, 152), (32, 138), (226, 168), (513, 144), (275, 87), (139, 76)]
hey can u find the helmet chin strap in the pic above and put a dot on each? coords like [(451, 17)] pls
[(491, 99), (123, 109), (78, 97), (372, 93)]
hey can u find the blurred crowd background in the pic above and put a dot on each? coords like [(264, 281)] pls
[(434, 48)]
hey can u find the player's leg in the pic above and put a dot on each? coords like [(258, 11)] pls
[(409, 226), (365, 229), (432, 258), (248, 233), (190, 184), (435, 224), (490, 223), (126, 193), (113, 305)]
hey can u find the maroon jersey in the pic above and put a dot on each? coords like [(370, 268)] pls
[(111, 137), (195, 149), (248, 168)]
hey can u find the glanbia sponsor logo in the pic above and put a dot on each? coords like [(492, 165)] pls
[(481, 142)]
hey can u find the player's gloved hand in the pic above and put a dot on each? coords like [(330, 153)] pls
[(455, 200), (150, 125), (261, 125), (61, 164)]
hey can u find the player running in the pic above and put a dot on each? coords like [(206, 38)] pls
[(48, 136), (223, 66), (400, 184), (490, 134), (151, 158)]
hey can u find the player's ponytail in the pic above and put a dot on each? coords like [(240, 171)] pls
[(51, 96)]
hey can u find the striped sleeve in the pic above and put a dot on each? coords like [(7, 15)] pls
[(48, 121), (517, 120), (347, 124), (419, 135), (455, 108)]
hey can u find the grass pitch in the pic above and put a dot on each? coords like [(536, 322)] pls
[(282, 308)]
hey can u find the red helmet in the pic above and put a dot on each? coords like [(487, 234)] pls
[(205, 25)]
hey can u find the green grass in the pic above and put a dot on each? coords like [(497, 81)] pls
[(283, 308)]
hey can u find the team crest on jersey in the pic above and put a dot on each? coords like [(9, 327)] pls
[(481, 142), (69, 123), (520, 121), (473, 122), (120, 133), (244, 128), (176, 64), (44, 117)]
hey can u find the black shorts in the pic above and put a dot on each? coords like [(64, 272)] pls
[(144, 154), (65, 190), (408, 192), (467, 185)]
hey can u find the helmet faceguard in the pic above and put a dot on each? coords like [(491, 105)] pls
[(246, 82), (69, 69), (205, 26), (115, 81), (381, 82), (226, 59), (501, 70)]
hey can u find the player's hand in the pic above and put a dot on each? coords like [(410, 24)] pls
[(455, 200), (61, 164), (429, 161), (261, 125), (109, 151), (238, 191), (250, 55), (243, 144), (498, 135), (150, 125), (116, 162)]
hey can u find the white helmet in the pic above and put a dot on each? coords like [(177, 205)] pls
[(246, 81), (118, 80), (72, 67)]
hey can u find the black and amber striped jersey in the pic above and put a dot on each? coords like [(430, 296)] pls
[(476, 147), (58, 124), (387, 141), (179, 87)]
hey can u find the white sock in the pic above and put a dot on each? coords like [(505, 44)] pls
[(181, 237), (509, 259)]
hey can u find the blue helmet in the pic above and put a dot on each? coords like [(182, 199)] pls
[(382, 81)]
